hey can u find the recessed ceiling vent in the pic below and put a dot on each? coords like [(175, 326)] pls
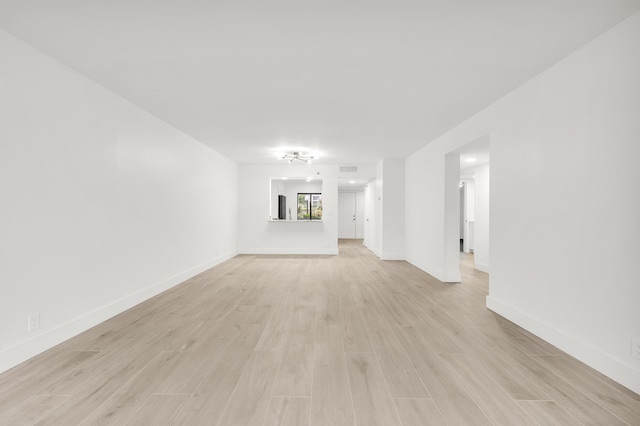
[(344, 169)]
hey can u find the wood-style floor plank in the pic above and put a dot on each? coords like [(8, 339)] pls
[(206, 404), (549, 413), (419, 412), (490, 397), (64, 364), (617, 402), (356, 338), (32, 409), (455, 404), (288, 411), (562, 392), (250, 400), (330, 394), (95, 386), (512, 379), (371, 400), (188, 375), (159, 410), (399, 372), (312, 340), (124, 403), (295, 376)]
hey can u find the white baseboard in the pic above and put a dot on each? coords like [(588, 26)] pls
[(429, 269), (452, 277), (439, 274), (316, 251), (623, 373), (481, 266), (46, 339), (392, 256)]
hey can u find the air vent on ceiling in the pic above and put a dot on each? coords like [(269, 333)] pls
[(348, 169)]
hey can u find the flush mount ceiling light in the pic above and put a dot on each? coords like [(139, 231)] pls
[(297, 156)]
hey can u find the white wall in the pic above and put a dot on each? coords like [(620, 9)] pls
[(378, 211), (451, 266), (393, 216), (369, 225), (388, 224), (469, 215), (360, 214), (463, 209), (564, 153), (258, 235), (424, 210), (482, 218), (103, 205)]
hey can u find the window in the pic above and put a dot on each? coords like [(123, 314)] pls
[(309, 206)]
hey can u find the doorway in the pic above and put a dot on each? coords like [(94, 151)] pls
[(471, 233), (351, 215)]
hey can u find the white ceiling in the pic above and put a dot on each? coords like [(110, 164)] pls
[(478, 150), (352, 82)]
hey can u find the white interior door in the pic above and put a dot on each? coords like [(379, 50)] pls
[(347, 215)]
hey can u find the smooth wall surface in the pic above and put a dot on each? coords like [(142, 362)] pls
[(378, 211), (360, 214), (258, 235), (564, 228), (451, 269), (393, 217), (369, 211), (482, 218), (103, 205), (469, 215)]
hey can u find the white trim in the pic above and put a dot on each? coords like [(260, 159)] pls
[(46, 339), (454, 277), (623, 373), (434, 272), (392, 256), (481, 266)]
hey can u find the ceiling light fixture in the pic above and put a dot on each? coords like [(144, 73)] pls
[(297, 156)]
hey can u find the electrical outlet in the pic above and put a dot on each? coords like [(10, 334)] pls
[(635, 347), (33, 322)]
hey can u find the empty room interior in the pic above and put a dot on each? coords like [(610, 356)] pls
[(327, 213)]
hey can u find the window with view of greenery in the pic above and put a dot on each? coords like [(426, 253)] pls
[(309, 206)]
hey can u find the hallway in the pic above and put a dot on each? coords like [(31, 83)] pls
[(312, 340)]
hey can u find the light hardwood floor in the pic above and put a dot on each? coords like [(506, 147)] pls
[(312, 340)]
